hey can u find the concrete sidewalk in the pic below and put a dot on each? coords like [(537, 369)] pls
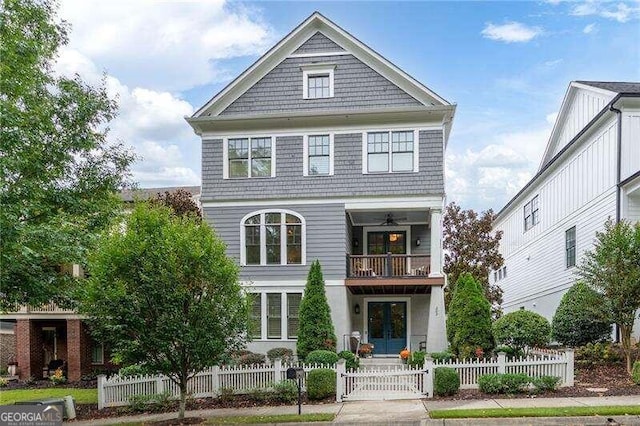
[(412, 412)]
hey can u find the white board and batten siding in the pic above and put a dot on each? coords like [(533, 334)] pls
[(579, 191), (630, 143)]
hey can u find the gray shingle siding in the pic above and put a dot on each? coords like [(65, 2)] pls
[(348, 180), (326, 240), (319, 43), (356, 86)]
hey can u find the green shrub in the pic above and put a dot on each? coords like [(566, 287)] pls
[(226, 394), (352, 363), (321, 383), (469, 319), (490, 383), (3, 382), (416, 359), (441, 356), (580, 318), (446, 381), (522, 329), (259, 394), (133, 370), (285, 354), (316, 327), (321, 357), (285, 391), (150, 403), (515, 383), (251, 359), (509, 351), (545, 383), (635, 372), (598, 353)]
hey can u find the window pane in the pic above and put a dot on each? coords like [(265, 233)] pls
[(238, 148), (378, 162), (252, 244), (293, 307), (272, 217), (319, 155), (261, 167), (97, 353), (238, 168), (402, 162), (294, 244), (255, 330), (318, 86), (293, 219), (570, 247), (273, 244), (255, 220), (319, 165), (274, 315)]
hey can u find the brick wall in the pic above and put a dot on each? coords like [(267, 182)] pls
[(28, 349), (7, 349)]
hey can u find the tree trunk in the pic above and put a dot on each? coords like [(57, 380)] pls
[(183, 401), (625, 336)]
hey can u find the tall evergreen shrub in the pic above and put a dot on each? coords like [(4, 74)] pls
[(580, 318), (469, 318), (316, 328)]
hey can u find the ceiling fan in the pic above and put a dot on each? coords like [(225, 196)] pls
[(389, 220)]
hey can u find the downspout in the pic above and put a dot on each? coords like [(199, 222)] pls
[(619, 161)]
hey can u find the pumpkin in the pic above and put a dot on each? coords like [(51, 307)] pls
[(404, 354)]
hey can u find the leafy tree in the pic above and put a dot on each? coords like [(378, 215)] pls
[(163, 293), (471, 246), (580, 318), (58, 174), (316, 328), (469, 318), (522, 329), (180, 201), (612, 269)]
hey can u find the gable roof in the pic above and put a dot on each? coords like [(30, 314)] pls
[(290, 43), (613, 86)]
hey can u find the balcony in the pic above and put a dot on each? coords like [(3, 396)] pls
[(47, 310)]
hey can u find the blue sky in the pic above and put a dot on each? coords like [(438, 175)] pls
[(505, 64)]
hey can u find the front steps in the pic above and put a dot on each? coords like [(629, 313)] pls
[(382, 363)]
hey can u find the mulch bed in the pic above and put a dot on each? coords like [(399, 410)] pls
[(44, 384), (613, 377)]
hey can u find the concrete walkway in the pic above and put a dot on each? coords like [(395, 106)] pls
[(413, 412)]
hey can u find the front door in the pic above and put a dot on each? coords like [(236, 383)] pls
[(387, 242), (387, 327)]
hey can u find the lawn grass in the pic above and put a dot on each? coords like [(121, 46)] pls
[(614, 410), (82, 396), (276, 418)]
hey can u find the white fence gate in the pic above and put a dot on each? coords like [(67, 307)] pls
[(372, 384)]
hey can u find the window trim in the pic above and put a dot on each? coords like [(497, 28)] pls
[(95, 344), (365, 151), (284, 315), (574, 247), (225, 157), (534, 214), (313, 70), (305, 154), (283, 239)]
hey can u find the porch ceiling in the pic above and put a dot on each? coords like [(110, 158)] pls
[(379, 217), (393, 285)]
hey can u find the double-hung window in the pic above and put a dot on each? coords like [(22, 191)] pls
[(97, 353), (391, 152), (570, 246), (317, 81), (293, 320), (255, 325), (531, 214), (318, 155), (275, 315), (249, 157), (273, 238)]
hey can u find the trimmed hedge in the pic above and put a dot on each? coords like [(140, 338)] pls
[(522, 329), (321, 383), (285, 354), (515, 383), (546, 383), (446, 381), (251, 359), (352, 363), (321, 357)]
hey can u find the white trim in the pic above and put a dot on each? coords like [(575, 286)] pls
[(365, 317), (373, 203), (319, 54), (283, 237), (348, 130), (365, 152), (384, 228), (55, 340), (314, 70), (416, 151), (291, 285), (93, 344), (284, 315), (390, 131), (225, 158), (225, 155), (305, 153), (273, 156)]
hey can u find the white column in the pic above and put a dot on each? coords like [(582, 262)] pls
[(437, 327), (436, 243)]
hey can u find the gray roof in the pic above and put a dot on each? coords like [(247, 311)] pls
[(614, 86), (129, 195)]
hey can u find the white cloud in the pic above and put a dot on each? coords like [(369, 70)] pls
[(511, 32), (620, 12), (591, 28), (165, 45)]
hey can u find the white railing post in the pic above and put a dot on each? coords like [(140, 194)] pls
[(159, 384), (101, 395), (341, 368), (215, 381), (570, 358), (502, 362), (277, 370), (428, 378)]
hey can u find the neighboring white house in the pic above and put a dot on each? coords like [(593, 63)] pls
[(590, 172)]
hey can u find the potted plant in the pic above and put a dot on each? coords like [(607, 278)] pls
[(12, 367), (404, 355), (366, 350)]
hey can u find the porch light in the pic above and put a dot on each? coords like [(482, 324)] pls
[(417, 241), (356, 309)]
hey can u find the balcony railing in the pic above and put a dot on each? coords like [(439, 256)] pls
[(47, 308), (388, 266)]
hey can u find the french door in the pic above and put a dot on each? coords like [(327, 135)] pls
[(387, 326)]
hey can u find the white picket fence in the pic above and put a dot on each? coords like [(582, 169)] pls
[(117, 391), (381, 383)]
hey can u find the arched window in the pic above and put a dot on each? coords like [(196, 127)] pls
[(273, 237)]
